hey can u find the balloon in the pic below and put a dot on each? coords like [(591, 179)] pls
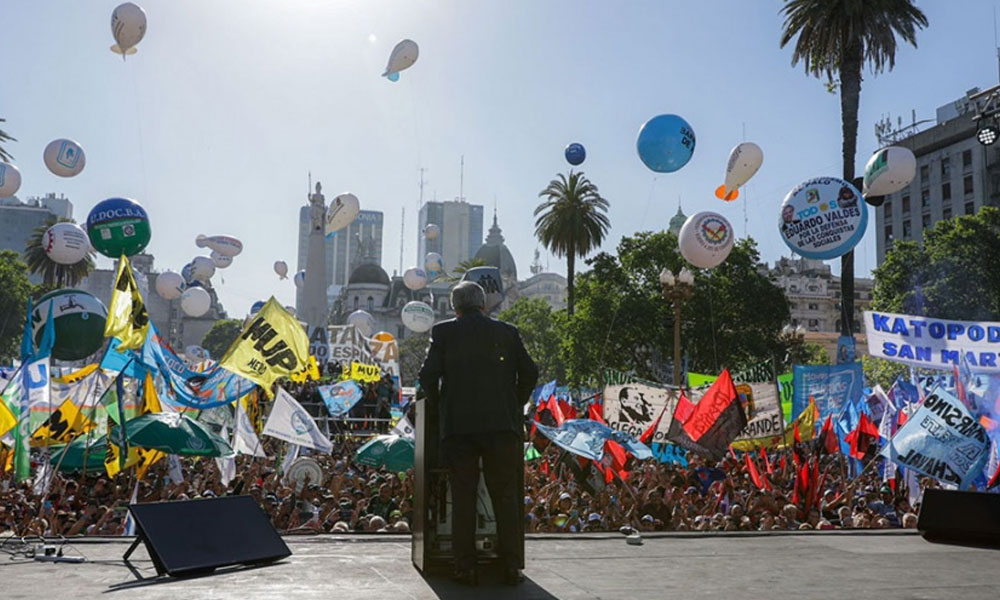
[(706, 239), (433, 264), (221, 261), (64, 158), (281, 268), (744, 160), (432, 231), (888, 171), (65, 243), (300, 279), (823, 218), (341, 212), (575, 154), (202, 268), (256, 306), (290, 309), (363, 321), (78, 318), (10, 180), (665, 143), (196, 354), (402, 57), (417, 316), (384, 336), (118, 226), (415, 278), (170, 285), (187, 274), (128, 26), (223, 244), (195, 301), (489, 279)]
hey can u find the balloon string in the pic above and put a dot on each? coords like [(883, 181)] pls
[(138, 129), (649, 199)]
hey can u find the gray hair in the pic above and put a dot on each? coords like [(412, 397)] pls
[(468, 296)]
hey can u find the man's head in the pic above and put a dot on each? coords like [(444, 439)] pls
[(468, 297)]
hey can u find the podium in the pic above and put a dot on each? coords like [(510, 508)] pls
[(431, 549)]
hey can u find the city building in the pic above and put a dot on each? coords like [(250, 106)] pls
[(956, 175), (460, 231), (343, 249), (813, 294), (550, 287), (19, 219), (494, 253), (677, 221)]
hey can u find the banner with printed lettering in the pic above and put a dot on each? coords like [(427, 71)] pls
[(272, 345), (760, 400), (933, 343), (941, 440), (632, 408), (832, 386)]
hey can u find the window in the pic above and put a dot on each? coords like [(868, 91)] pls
[(925, 174), (888, 233), (887, 208), (813, 324), (792, 305), (946, 191), (967, 159), (967, 185), (945, 168), (906, 230), (813, 306), (371, 304), (925, 198), (970, 208), (356, 302), (906, 205), (946, 213), (925, 220)]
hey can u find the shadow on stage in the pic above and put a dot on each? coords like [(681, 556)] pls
[(491, 587)]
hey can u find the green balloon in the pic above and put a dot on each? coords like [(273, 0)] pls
[(78, 318), (118, 226)]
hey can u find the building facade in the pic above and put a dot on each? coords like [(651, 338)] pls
[(813, 294), (461, 231), (550, 287), (19, 219)]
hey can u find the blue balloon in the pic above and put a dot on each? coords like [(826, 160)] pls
[(665, 143), (256, 306), (575, 154)]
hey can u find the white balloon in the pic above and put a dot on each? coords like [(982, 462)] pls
[(281, 269), (195, 301), (341, 212), (196, 354), (433, 264), (415, 278), (300, 279), (888, 171), (706, 239), (128, 26), (66, 243), (221, 260), (202, 268), (10, 180), (417, 316), (64, 158), (363, 321), (170, 285), (402, 57), (744, 160), (432, 231), (223, 244)]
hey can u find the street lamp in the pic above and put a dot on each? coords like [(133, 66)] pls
[(677, 289), (987, 132)]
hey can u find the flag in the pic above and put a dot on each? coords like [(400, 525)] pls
[(272, 345), (245, 440), (340, 397), (546, 392), (226, 464), (403, 428), (34, 388), (587, 438), (713, 423), (311, 371), (755, 475), (647, 436), (556, 410), (8, 420), (126, 361), (828, 441), (767, 462), (290, 422), (707, 476), (115, 460), (127, 317), (862, 438), (150, 404), (62, 426)]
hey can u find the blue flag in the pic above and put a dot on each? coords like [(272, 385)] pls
[(546, 392), (123, 361), (340, 397), (586, 438), (831, 386)]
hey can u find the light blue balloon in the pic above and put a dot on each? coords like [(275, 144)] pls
[(665, 143), (392, 76)]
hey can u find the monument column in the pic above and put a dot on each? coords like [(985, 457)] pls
[(315, 309)]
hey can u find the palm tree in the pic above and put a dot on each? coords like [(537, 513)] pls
[(571, 221), (838, 37), (53, 273), (4, 137)]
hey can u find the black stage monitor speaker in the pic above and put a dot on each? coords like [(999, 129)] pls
[(967, 518), (193, 537)]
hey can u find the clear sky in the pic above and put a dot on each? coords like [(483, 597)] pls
[(228, 104)]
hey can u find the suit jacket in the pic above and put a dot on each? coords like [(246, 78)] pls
[(479, 375)]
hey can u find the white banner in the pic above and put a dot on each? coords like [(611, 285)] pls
[(632, 408), (933, 343), (761, 401), (290, 422), (246, 440)]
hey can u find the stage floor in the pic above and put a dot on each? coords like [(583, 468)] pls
[(769, 566)]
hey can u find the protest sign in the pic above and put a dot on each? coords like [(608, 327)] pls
[(831, 386), (632, 408), (766, 421), (933, 343)]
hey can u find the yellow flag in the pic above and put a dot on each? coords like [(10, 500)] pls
[(112, 463), (76, 376), (310, 372), (272, 345), (7, 419), (150, 401), (363, 372), (127, 317), (251, 406), (807, 430), (6, 459), (62, 426)]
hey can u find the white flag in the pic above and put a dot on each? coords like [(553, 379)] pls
[(291, 453), (226, 465), (290, 422), (403, 428), (174, 471), (246, 441)]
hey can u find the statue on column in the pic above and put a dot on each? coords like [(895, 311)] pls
[(317, 213)]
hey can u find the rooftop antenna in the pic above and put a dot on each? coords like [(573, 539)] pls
[(461, 180), (422, 182), (402, 231), (310, 183)]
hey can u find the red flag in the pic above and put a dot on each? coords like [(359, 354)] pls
[(828, 438), (567, 411), (784, 464), (754, 473), (795, 433), (862, 438), (594, 414), (812, 493), (994, 479), (553, 406), (647, 436), (901, 418), (767, 462)]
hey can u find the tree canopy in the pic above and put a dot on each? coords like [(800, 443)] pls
[(14, 291), (541, 332), (221, 336)]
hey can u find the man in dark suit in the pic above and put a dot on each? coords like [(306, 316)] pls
[(480, 376)]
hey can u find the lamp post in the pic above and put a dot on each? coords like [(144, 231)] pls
[(677, 289), (794, 336)]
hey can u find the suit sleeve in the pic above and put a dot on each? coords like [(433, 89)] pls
[(527, 371), (433, 368)]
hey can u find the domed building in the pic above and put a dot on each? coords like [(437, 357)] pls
[(496, 254), (677, 221)]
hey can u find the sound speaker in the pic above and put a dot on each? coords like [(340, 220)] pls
[(194, 537), (965, 518)]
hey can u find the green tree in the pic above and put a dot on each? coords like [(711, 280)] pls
[(412, 350), (5, 137), (221, 336), (53, 274), (837, 38), (14, 291), (622, 321), (541, 331), (571, 222)]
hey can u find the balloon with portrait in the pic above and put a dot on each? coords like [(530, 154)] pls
[(415, 278), (402, 57), (300, 279), (65, 243), (432, 231), (128, 26), (363, 321), (64, 158), (575, 154), (10, 180), (823, 218), (195, 301), (281, 269), (170, 285), (665, 143), (433, 264), (706, 239), (341, 212), (491, 281), (744, 161)]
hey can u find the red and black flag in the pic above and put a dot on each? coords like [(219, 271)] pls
[(828, 442), (707, 428), (863, 438)]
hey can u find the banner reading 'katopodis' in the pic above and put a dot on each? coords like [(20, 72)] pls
[(933, 343)]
